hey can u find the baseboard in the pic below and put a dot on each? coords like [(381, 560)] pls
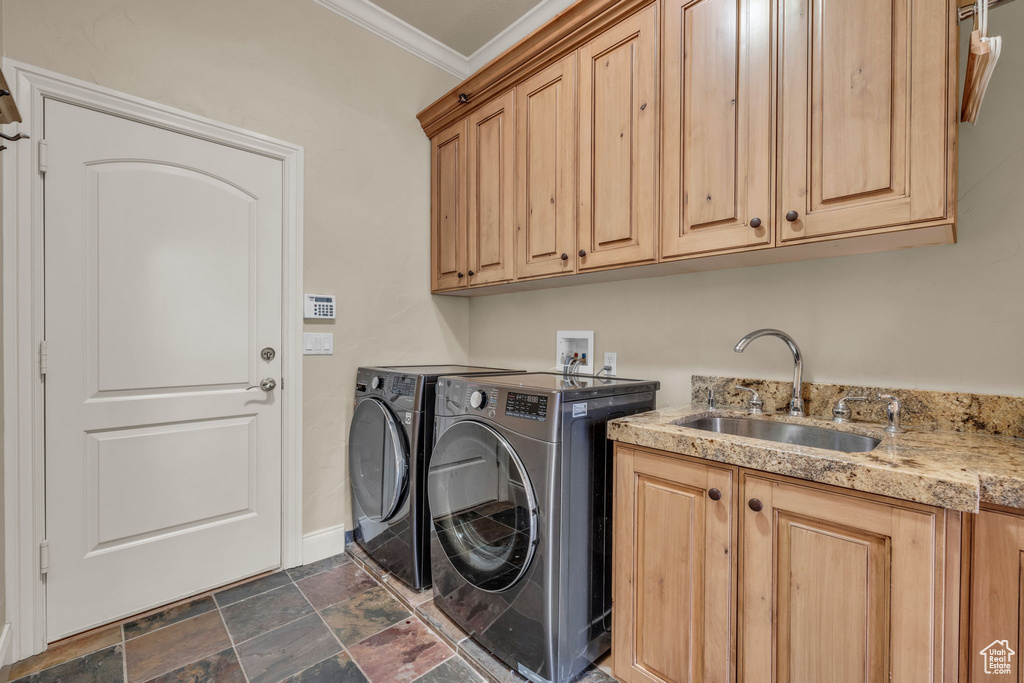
[(6, 638), (317, 545)]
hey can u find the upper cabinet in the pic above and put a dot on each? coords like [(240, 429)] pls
[(865, 136), (678, 135), (618, 152), (718, 138)]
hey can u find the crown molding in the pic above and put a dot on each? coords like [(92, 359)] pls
[(386, 25)]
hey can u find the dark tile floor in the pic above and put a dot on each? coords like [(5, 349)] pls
[(326, 622)]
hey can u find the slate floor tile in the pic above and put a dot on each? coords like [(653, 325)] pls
[(171, 615), (400, 654), (174, 646), (287, 650), (255, 587), (104, 666), (453, 670), (361, 616), (222, 667), (323, 565), (335, 585), (405, 594), (338, 669), (441, 623), (484, 661), (265, 612), (66, 650)]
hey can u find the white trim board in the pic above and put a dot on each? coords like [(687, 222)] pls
[(24, 491), (408, 37), (318, 545), (6, 636)]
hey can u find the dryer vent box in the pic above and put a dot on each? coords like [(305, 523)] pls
[(570, 343)]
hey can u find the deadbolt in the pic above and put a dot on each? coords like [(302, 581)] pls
[(268, 354)]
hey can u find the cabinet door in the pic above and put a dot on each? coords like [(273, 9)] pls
[(546, 181), (492, 151), (997, 596), (717, 135), (836, 588), (864, 114), (448, 207), (618, 97), (674, 569)]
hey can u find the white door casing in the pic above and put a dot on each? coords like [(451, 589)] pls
[(163, 363)]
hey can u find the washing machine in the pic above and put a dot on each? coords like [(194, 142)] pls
[(389, 443), (519, 486)]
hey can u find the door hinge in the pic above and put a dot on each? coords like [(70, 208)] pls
[(44, 357), (44, 156), (44, 556)]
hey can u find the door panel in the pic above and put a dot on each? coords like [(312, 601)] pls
[(449, 206), (546, 178), (718, 135), (674, 548), (163, 282), (997, 593), (864, 96), (618, 95), (492, 138), (836, 588)]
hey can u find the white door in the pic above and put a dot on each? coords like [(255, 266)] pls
[(163, 285)]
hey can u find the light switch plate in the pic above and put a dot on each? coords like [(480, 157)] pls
[(318, 344)]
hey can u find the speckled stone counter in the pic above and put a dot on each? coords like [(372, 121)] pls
[(946, 469)]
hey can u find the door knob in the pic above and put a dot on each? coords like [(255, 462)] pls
[(461, 275), (755, 505), (471, 273), (565, 257), (583, 252), (792, 216), (266, 384), (755, 222), (715, 494)]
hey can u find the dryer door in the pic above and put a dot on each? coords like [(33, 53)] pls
[(483, 506), (378, 460)]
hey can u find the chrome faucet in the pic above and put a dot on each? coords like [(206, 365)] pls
[(796, 403), (893, 413)]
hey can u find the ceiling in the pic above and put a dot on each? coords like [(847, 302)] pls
[(459, 36), (463, 25)]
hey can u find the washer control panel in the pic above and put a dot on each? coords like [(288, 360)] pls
[(528, 406)]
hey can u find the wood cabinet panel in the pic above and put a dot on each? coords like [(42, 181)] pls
[(997, 594), (448, 206), (838, 588), (863, 115), (618, 114), (546, 180), (717, 139), (491, 192), (674, 570)]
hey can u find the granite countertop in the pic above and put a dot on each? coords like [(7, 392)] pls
[(946, 469)]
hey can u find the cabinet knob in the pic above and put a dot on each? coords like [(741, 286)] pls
[(755, 222), (755, 505), (471, 273), (565, 257), (715, 494), (792, 216), (461, 276), (583, 252)]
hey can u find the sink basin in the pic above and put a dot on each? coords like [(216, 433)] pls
[(784, 432)]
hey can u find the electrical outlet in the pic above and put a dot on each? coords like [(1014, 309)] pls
[(611, 360)]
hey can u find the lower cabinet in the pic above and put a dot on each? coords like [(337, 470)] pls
[(726, 574)]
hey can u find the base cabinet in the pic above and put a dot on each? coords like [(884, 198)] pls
[(727, 574)]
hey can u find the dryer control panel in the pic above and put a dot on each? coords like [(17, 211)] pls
[(529, 406)]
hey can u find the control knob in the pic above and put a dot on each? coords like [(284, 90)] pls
[(377, 382), (478, 399)]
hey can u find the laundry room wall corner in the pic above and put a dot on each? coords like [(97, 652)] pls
[(293, 70)]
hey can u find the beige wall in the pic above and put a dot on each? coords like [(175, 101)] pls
[(933, 318), (295, 71)]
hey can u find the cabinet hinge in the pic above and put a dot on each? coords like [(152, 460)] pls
[(44, 357), (44, 156), (44, 556)]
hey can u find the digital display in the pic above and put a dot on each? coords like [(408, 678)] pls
[(322, 299), (403, 386), (527, 406)]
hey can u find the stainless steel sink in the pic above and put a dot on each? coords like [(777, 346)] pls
[(783, 432)]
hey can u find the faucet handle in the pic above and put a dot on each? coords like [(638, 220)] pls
[(756, 404), (842, 413), (893, 413)]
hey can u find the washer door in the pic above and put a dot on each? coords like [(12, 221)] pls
[(378, 460), (483, 506)]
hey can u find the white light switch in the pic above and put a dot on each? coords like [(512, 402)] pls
[(318, 343)]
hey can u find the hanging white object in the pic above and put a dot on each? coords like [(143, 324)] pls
[(981, 62)]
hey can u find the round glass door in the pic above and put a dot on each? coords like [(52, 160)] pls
[(483, 506), (378, 460)]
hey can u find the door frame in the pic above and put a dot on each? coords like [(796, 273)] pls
[(23, 316)]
